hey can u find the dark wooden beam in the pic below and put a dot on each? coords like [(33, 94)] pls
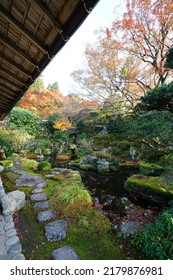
[(8, 89), (16, 50), (48, 15), (22, 29), (2, 91), (9, 82), (4, 103), (15, 65), (8, 73), (4, 98)]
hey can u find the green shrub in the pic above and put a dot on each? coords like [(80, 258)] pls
[(124, 145), (24, 120), (156, 240), (44, 166), (102, 154), (6, 144), (159, 98)]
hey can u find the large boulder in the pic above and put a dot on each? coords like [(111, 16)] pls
[(12, 202), (150, 169)]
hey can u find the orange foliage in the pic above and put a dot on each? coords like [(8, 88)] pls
[(43, 103), (62, 124)]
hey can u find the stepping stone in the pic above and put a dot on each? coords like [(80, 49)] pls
[(45, 215), (56, 230), (27, 180), (41, 185), (44, 204), (37, 191), (64, 253), (38, 197)]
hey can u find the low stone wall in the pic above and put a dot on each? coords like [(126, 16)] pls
[(10, 247)]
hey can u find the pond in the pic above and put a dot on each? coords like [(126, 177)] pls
[(111, 198)]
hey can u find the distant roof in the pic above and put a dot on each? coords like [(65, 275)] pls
[(31, 34)]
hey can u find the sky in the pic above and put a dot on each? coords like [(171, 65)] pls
[(71, 56)]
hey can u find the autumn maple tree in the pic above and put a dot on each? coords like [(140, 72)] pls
[(145, 31), (128, 58)]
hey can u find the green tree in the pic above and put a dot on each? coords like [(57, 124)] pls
[(53, 87), (160, 98), (38, 85), (169, 59), (23, 119)]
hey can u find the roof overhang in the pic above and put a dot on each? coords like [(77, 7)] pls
[(32, 33)]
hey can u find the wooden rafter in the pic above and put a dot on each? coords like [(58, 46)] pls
[(16, 50), (15, 65), (8, 89), (48, 15), (9, 83), (8, 73), (23, 30)]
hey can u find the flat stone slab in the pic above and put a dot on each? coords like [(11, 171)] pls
[(38, 197), (41, 185), (45, 215), (56, 230), (37, 191), (27, 180), (44, 204), (64, 253)]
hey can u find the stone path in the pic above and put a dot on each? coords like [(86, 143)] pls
[(10, 248)]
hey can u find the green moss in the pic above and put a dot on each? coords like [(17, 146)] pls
[(92, 246), (44, 166), (87, 167), (150, 169), (6, 163), (129, 166), (154, 189), (9, 178), (104, 141), (123, 145)]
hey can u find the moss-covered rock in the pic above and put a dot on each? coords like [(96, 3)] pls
[(63, 157), (150, 169), (87, 167), (154, 189), (44, 166), (129, 166), (6, 163), (103, 168)]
